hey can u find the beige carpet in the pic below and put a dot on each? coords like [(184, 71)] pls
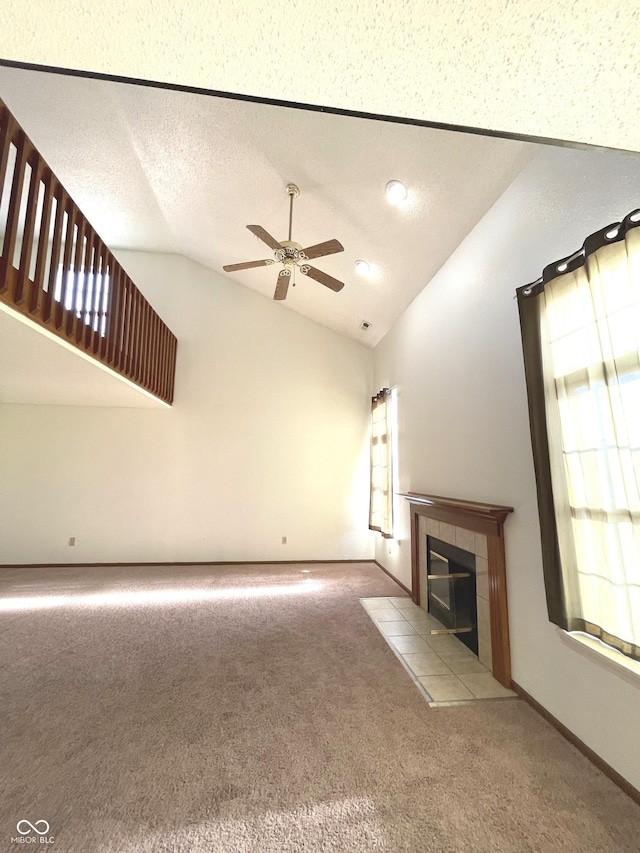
[(259, 709)]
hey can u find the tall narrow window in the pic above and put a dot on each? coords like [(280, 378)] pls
[(581, 340), (381, 504)]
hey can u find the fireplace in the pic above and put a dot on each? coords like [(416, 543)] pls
[(478, 529), (451, 591)]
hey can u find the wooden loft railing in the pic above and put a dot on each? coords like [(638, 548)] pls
[(55, 270)]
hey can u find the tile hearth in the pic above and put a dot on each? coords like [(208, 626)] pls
[(442, 668)]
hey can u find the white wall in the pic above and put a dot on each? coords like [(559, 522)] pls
[(456, 357), (267, 438)]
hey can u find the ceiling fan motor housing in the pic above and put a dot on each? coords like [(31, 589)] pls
[(290, 253)]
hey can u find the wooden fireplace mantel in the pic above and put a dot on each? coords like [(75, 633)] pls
[(485, 519)]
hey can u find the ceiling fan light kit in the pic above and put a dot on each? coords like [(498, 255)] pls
[(292, 256)]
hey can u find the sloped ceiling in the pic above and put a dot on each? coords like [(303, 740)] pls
[(160, 170)]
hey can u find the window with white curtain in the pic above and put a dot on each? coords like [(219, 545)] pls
[(581, 337), (382, 462)]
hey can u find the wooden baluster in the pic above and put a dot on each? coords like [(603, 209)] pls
[(101, 277), (136, 349), (29, 227), (100, 339), (5, 146), (86, 291), (160, 346), (78, 284), (127, 328), (167, 390), (172, 369), (100, 301), (115, 314), (170, 361), (11, 229), (165, 363), (107, 303), (175, 357), (84, 294), (96, 283), (161, 329), (119, 341), (153, 349), (91, 285), (130, 327), (146, 337), (61, 311), (36, 300), (125, 325), (141, 340), (152, 354), (155, 341), (49, 308)]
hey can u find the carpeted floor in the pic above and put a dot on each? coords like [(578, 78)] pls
[(259, 709)]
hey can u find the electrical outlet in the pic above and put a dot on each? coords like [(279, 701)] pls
[(284, 540), (72, 540)]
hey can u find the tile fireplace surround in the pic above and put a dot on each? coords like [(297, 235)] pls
[(479, 529)]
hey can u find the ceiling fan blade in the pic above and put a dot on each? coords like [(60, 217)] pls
[(259, 231), (329, 247), (247, 266), (328, 280), (283, 284)]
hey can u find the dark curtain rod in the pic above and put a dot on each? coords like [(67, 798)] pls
[(611, 234)]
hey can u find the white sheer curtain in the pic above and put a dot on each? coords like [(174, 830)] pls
[(590, 341), (381, 502)]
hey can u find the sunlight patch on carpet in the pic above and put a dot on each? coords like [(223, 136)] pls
[(134, 598), (344, 825)]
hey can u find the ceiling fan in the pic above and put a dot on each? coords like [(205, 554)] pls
[(292, 256)]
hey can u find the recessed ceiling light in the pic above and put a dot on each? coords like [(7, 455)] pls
[(396, 191), (362, 267)]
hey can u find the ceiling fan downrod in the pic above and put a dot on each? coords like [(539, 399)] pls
[(294, 192)]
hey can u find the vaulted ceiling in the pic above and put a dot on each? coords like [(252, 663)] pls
[(167, 171)]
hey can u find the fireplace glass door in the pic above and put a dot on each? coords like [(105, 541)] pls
[(451, 589)]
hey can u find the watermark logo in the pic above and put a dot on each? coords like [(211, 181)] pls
[(32, 828), (33, 833)]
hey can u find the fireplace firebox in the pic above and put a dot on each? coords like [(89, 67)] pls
[(451, 591)]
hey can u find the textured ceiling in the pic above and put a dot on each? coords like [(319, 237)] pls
[(175, 172), (567, 70)]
